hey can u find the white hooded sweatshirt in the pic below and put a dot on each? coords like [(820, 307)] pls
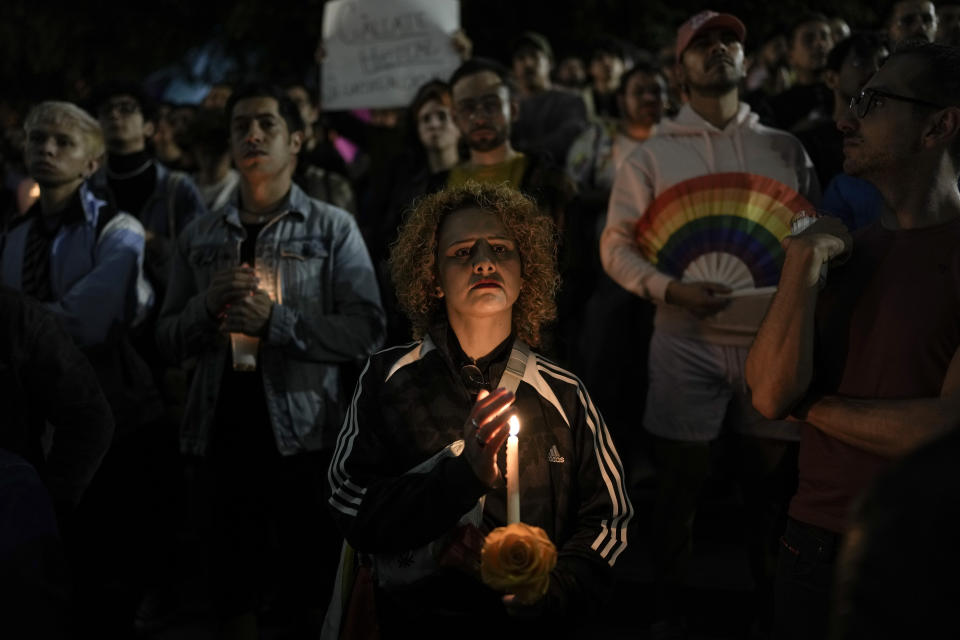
[(685, 148)]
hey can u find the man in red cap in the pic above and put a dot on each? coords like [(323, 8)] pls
[(698, 347)]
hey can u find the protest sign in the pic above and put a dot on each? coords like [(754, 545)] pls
[(379, 52)]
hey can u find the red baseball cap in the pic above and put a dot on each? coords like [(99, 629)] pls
[(707, 20)]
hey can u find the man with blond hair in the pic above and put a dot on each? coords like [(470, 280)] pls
[(83, 260)]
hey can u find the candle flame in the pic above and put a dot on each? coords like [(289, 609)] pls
[(34, 191), (514, 425)]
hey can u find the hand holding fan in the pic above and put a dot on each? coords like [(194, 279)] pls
[(721, 227)]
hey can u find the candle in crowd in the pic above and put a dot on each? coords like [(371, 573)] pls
[(513, 472)]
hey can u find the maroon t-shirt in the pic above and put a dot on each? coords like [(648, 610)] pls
[(887, 326)]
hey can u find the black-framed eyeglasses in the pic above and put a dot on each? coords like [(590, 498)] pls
[(488, 106), (864, 101)]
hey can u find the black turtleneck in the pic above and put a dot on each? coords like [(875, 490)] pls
[(132, 178)]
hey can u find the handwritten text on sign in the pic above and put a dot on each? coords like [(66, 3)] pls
[(379, 52)]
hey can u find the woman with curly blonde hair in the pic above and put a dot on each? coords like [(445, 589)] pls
[(414, 257), (417, 476)]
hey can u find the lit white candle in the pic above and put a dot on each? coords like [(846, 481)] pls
[(245, 348), (513, 472)]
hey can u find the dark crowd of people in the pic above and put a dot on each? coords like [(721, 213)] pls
[(282, 345)]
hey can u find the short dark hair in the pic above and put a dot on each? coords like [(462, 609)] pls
[(639, 67), (608, 44), (479, 65), (936, 80), (862, 43), (802, 19), (312, 94), (433, 90), (107, 90), (285, 105), (532, 39)]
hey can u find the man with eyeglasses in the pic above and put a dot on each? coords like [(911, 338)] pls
[(870, 364), (910, 20), (164, 201), (484, 109), (696, 355)]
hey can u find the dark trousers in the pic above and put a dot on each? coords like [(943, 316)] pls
[(121, 540), (766, 473), (805, 579), (272, 541)]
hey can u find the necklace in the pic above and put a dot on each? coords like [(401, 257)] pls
[(257, 218), (129, 174)]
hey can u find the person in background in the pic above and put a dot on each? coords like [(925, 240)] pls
[(82, 259), (164, 201), (695, 359), (807, 100), (948, 22), (598, 152), (321, 171), (215, 177), (667, 60), (850, 65), (57, 427), (608, 61), (910, 20), (839, 29), (769, 73), (548, 119), (434, 148), (217, 96), (570, 73), (612, 321), (289, 276), (170, 136)]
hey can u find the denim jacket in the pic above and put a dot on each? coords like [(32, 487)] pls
[(327, 312), (96, 278)]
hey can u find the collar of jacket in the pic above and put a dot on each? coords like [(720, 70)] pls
[(297, 203)]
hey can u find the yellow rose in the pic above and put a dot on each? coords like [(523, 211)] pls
[(518, 559)]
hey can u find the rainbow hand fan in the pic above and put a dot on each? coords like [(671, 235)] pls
[(720, 227)]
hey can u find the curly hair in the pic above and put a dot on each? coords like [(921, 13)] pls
[(413, 257)]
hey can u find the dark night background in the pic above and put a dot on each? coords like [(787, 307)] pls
[(55, 50)]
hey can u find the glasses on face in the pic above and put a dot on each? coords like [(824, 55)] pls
[(126, 107), (487, 106), (865, 101)]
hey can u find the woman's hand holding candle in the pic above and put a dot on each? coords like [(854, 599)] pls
[(485, 431)]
